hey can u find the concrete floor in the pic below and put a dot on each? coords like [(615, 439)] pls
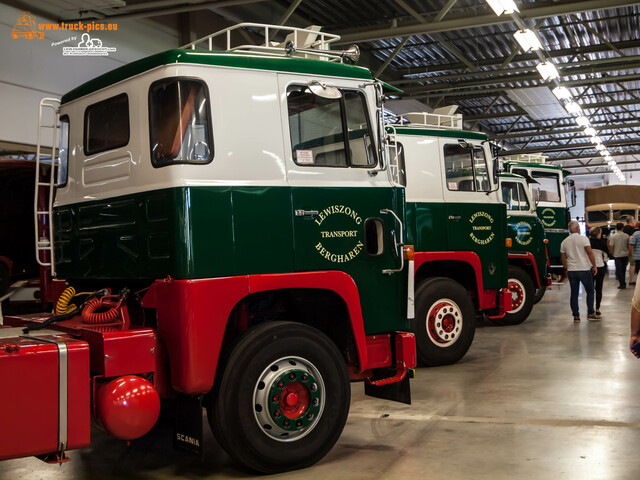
[(543, 400)]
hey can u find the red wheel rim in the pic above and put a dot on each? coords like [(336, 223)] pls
[(294, 400), (444, 322), (517, 295)]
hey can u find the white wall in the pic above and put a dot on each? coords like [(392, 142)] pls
[(33, 69)]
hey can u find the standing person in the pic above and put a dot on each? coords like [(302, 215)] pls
[(579, 266), (634, 255), (635, 318), (600, 249), (619, 248), (629, 229)]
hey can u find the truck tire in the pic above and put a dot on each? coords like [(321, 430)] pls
[(522, 292), (444, 322), (539, 294), (283, 398)]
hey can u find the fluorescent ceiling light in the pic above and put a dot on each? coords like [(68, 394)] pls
[(528, 40), (562, 93), (589, 130), (503, 6), (547, 70), (573, 107), (596, 140), (583, 121), (600, 147), (604, 153)]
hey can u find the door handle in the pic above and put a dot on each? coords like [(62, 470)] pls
[(306, 213), (455, 218)]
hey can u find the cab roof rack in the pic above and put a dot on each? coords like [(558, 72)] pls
[(307, 42), (525, 157), (431, 120)]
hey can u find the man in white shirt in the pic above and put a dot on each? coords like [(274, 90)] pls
[(579, 266)]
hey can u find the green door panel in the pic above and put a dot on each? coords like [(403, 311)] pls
[(527, 235), (481, 229), (334, 239), (554, 220)]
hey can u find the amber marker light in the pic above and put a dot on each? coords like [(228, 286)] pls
[(508, 242), (408, 252)]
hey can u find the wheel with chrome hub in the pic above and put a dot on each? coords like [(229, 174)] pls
[(522, 293), (289, 399), (282, 399), (444, 322)]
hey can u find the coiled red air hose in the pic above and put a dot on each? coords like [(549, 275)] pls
[(89, 314)]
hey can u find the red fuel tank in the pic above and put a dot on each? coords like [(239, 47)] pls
[(127, 407)]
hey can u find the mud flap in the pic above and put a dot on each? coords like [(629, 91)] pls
[(396, 392), (187, 426)]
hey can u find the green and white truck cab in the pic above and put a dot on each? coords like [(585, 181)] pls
[(458, 226), (554, 194), (528, 278), (243, 196)]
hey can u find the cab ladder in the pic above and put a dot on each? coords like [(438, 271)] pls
[(45, 182)]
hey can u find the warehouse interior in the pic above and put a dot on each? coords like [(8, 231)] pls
[(548, 398)]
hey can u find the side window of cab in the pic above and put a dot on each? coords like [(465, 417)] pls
[(330, 132)]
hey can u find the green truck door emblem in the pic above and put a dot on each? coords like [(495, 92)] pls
[(523, 233), (339, 222), (548, 217), (481, 228)]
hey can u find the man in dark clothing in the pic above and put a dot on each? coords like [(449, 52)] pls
[(618, 247)]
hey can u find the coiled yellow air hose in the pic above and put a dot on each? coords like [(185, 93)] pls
[(63, 306)]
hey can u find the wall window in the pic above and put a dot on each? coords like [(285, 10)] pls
[(179, 122), (106, 125), (514, 195), (63, 152), (466, 168), (318, 127)]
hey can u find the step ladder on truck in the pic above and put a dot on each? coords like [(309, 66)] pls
[(254, 279), (457, 224)]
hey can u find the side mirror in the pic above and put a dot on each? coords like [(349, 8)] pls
[(325, 91)]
